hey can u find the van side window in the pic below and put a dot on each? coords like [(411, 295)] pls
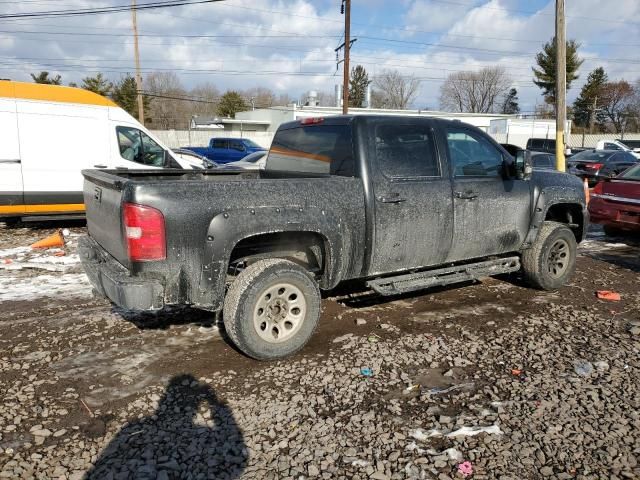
[(137, 146), (472, 154)]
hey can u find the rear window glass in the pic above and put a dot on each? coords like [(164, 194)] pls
[(591, 156), (535, 143), (313, 149), (406, 151)]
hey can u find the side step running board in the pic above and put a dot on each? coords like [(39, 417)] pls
[(443, 276)]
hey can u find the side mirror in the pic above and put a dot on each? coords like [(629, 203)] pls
[(524, 165)]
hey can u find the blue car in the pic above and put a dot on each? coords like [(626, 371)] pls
[(226, 150)]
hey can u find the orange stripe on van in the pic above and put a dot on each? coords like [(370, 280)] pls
[(23, 209), (52, 93)]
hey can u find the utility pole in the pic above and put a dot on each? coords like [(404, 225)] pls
[(347, 49), (561, 85), (592, 118), (137, 57)]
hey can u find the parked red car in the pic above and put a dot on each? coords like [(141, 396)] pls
[(615, 203)]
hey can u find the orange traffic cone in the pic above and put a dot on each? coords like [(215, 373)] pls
[(55, 240), (587, 193)]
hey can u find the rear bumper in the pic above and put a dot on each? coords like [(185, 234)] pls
[(619, 215), (114, 282)]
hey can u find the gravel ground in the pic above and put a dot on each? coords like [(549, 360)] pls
[(490, 380)]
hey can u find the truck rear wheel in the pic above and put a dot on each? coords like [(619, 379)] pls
[(550, 262), (272, 309)]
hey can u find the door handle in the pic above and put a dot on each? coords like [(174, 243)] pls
[(100, 166), (14, 160), (391, 198), (466, 195)]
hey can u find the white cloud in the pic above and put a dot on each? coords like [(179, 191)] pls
[(302, 37)]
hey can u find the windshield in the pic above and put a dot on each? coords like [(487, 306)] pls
[(632, 174), (592, 156), (254, 157), (251, 143)]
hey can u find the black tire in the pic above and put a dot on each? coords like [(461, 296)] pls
[(252, 289), (549, 264)]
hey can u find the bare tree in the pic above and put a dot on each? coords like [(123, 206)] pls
[(206, 97), (260, 97), (393, 90), (169, 108), (617, 102), (326, 99), (474, 92)]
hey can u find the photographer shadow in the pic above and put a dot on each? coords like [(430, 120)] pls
[(176, 441)]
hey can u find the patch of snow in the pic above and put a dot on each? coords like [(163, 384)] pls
[(421, 435), (58, 286)]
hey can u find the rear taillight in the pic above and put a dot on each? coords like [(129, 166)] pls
[(593, 166), (598, 189), (144, 232)]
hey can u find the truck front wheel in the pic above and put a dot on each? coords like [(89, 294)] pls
[(550, 262), (272, 309)]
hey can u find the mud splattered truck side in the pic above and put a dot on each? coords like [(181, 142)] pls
[(401, 203)]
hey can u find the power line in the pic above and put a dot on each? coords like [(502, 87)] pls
[(104, 10)]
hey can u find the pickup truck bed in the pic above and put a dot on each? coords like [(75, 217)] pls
[(400, 203)]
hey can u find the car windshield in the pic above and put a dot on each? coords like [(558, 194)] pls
[(592, 156), (632, 174), (251, 143)]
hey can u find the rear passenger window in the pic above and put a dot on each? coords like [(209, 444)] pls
[(219, 144), (315, 149), (406, 151)]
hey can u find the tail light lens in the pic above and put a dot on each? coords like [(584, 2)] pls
[(593, 166), (144, 232), (598, 189)]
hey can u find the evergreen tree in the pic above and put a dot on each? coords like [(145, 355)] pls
[(510, 104), (358, 86), (43, 77), (545, 76), (125, 94), (97, 84), (591, 90), (230, 104)]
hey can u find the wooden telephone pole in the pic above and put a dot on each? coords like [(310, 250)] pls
[(137, 57), (561, 85), (347, 48)]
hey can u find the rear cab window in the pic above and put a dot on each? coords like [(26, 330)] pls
[(318, 149)]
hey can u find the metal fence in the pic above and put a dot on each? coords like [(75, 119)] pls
[(200, 138), (573, 140)]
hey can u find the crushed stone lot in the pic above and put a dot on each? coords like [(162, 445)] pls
[(482, 381)]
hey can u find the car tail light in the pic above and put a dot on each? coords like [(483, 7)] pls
[(311, 120), (598, 190), (593, 166), (144, 232)]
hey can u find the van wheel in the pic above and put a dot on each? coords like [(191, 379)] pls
[(272, 309), (550, 262)]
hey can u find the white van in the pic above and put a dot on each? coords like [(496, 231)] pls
[(49, 133)]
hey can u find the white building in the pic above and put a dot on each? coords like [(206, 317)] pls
[(518, 130), (269, 119)]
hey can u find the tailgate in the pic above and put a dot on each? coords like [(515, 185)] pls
[(103, 202)]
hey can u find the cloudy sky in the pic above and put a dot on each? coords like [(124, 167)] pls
[(288, 45)]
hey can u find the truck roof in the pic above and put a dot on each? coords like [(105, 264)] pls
[(51, 93), (347, 119)]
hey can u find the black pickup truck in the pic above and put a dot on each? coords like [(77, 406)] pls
[(402, 203)]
